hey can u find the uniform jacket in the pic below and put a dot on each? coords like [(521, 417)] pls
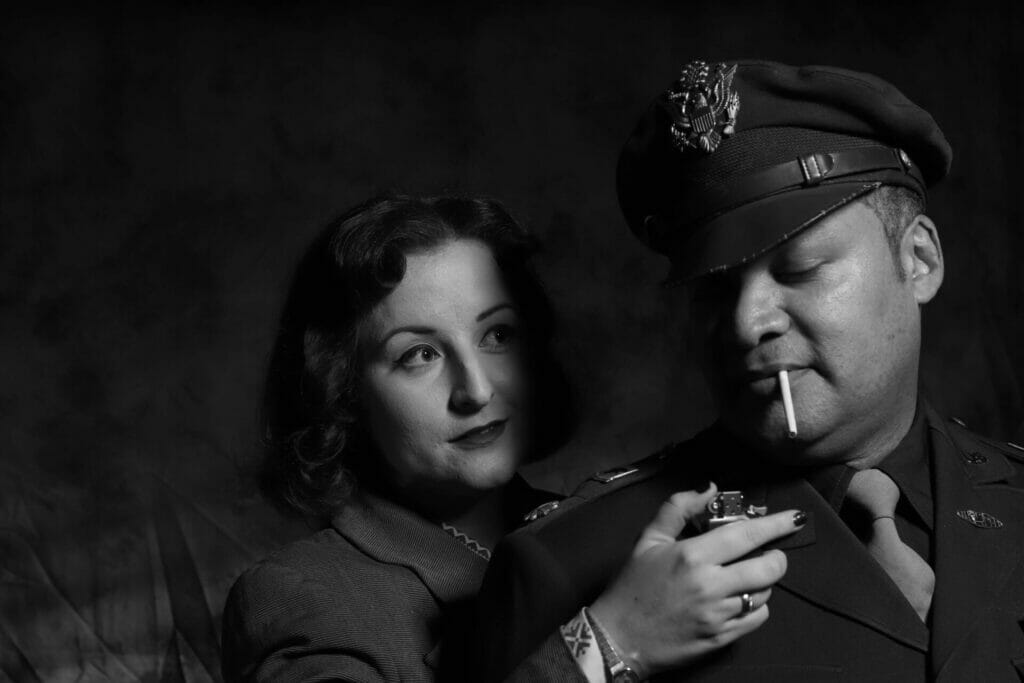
[(836, 615), (371, 598)]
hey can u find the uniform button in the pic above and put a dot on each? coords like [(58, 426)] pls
[(976, 458), (542, 510)]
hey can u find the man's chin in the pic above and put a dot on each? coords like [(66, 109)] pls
[(770, 437), (769, 441)]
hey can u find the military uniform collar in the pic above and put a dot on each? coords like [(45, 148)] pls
[(909, 465)]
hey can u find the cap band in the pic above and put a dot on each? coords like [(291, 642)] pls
[(737, 157), (809, 170)]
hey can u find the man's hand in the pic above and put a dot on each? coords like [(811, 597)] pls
[(676, 600)]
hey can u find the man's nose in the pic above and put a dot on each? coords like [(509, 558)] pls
[(758, 313), (472, 388)]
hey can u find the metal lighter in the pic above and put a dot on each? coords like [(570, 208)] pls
[(728, 507)]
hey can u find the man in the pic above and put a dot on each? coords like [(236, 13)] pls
[(790, 202)]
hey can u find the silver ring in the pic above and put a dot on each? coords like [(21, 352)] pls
[(747, 604)]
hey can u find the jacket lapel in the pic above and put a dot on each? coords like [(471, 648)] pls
[(972, 564), (829, 566), (393, 534)]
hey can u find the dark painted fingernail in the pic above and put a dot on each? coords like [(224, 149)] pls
[(799, 518)]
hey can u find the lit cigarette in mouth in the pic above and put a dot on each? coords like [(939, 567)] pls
[(787, 402)]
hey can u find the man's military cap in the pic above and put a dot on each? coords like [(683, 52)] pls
[(735, 158)]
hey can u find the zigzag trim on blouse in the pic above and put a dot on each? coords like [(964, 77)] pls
[(473, 545)]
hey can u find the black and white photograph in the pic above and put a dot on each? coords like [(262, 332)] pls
[(591, 342)]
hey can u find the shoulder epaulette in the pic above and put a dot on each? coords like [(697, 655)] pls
[(602, 483), (972, 444)]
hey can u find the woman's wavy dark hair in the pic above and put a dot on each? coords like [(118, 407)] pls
[(316, 443)]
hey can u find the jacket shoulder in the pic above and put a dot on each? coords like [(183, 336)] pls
[(318, 609), (293, 569), (323, 592), (602, 486), (985, 453), (561, 559), (306, 555), (967, 437), (319, 560)]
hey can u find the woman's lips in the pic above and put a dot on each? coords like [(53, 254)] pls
[(478, 437)]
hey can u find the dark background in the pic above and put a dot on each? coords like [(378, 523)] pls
[(160, 170)]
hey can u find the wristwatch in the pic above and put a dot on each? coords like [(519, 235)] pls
[(618, 670)]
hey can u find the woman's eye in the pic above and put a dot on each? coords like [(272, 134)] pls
[(418, 356), (498, 337)]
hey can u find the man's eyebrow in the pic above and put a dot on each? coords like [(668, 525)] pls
[(494, 309)]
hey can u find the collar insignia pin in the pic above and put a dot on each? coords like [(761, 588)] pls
[(703, 106), (542, 510), (982, 520)]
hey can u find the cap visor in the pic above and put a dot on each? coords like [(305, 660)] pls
[(742, 235)]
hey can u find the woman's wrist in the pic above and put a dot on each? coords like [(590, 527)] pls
[(578, 637), (623, 663)]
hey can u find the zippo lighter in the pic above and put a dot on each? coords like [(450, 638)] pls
[(728, 507)]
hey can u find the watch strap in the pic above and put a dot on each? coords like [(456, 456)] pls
[(618, 670)]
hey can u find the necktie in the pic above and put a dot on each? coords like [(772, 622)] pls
[(877, 495)]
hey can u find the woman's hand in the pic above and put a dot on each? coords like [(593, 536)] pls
[(676, 600)]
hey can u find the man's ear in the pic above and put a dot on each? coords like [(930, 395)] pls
[(921, 258)]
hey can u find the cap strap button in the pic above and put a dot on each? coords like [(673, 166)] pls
[(816, 167), (904, 159)]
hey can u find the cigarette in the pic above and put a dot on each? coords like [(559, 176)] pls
[(787, 403)]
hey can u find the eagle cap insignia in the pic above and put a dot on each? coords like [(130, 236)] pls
[(703, 106)]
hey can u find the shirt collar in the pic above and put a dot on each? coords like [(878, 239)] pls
[(908, 465)]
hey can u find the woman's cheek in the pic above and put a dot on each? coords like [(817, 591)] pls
[(512, 378)]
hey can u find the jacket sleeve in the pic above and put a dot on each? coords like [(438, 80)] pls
[(276, 627), (549, 663), (524, 598), (542, 574)]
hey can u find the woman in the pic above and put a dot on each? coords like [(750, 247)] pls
[(409, 381), (403, 393)]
